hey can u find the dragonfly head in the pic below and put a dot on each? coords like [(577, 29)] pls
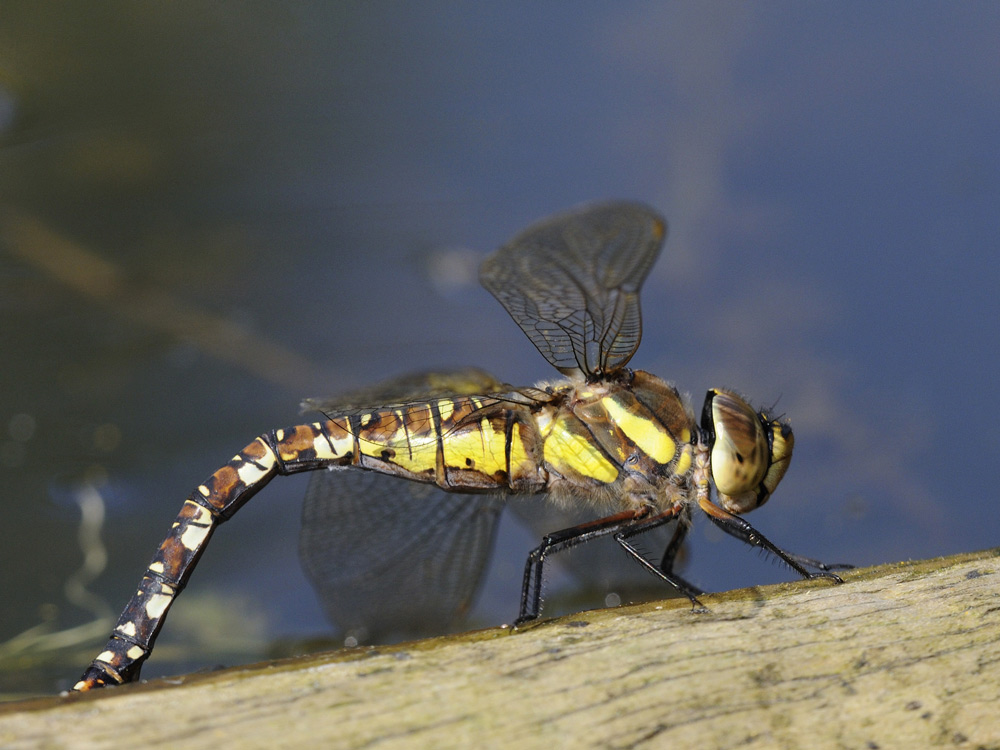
[(750, 451)]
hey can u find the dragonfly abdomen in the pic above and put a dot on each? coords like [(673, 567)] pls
[(211, 503), (463, 443)]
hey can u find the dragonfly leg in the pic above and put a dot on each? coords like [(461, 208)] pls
[(811, 562), (740, 529), (531, 591), (674, 547), (665, 570)]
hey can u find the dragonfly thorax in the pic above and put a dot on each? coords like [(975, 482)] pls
[(634, 432)]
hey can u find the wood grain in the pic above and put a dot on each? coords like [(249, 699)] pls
[(900, 656)]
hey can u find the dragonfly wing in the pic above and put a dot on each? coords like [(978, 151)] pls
[(420, 386), (388, 557), (571, 282), (391, 558)]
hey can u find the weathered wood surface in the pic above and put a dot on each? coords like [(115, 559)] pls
[(901, 656)]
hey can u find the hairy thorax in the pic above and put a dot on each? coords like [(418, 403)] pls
[(622, 444)]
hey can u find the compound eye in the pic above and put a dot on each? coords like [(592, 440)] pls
[(782, 443), (740, 454)]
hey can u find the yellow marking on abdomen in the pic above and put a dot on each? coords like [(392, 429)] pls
[(650, 437), (158, 604), (250, 472), (477, 447), (446, 408), (329, 447), (520, 463), (194, 536), (416, 457), (416, 452)]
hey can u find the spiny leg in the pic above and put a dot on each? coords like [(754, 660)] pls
[(665, 570), (684, 526), (531, 591), (740, 529), (674, 547), (812, 562)]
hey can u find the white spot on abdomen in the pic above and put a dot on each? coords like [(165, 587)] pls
[(157, 605)]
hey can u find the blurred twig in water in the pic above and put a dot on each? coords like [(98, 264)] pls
[(95, 555), (41, 641), (87, 273)]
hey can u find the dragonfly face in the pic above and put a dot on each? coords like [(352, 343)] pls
[(604, 437), (750, 451)]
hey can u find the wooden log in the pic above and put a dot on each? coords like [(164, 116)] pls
[(901, 656)]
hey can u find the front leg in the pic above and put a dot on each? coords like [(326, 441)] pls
[(739, 528)]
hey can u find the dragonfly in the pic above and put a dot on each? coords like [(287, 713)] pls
[(621, 443)]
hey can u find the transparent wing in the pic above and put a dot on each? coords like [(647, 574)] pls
[(390, 558), (420, 386), (571, 282)]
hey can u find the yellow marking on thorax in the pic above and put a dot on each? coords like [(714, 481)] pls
[(684, 461), (545, 422), (647, 434), (570, 453)]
